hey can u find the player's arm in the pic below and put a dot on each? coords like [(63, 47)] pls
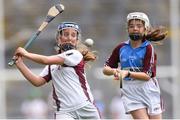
[(47, 60), (138, 75), (109, 71), (28, 74), (112, 62)]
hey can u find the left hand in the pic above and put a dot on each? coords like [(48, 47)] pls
[(120, 74), (18, 59)]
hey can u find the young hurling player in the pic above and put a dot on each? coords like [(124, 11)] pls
[(137, 58), (71, 92)]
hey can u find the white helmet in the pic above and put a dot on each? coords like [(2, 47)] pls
[(140, 16)]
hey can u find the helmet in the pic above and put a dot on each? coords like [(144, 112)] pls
[(62, 26), (140, 16), (65, 25)]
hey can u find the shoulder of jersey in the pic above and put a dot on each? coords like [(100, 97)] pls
[(71, 52)]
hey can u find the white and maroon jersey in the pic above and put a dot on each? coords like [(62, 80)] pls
[(70, 87)]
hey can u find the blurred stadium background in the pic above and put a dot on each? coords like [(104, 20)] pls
[(102, 20)]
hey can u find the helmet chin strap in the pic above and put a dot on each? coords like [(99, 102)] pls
[(136, 36), (66, 47)]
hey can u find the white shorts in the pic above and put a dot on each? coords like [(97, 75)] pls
[(142, 94), (87, 112)]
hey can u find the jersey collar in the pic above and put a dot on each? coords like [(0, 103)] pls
[(144, 44)]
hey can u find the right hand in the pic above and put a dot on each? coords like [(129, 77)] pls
[(20, 51)]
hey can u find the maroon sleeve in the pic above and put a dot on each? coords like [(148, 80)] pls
[(48, 77), (113, 60), (150, 59)]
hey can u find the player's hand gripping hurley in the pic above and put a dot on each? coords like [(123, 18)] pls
[(52, 13), (119, 75)]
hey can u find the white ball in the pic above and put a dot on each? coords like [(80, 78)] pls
[(89, 42)]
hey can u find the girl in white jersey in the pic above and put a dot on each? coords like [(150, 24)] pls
[(141, 93), (71, 92)]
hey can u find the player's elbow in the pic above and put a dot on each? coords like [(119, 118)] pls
[(106, 71), (37, 84), (147, 77), (38, 81)]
